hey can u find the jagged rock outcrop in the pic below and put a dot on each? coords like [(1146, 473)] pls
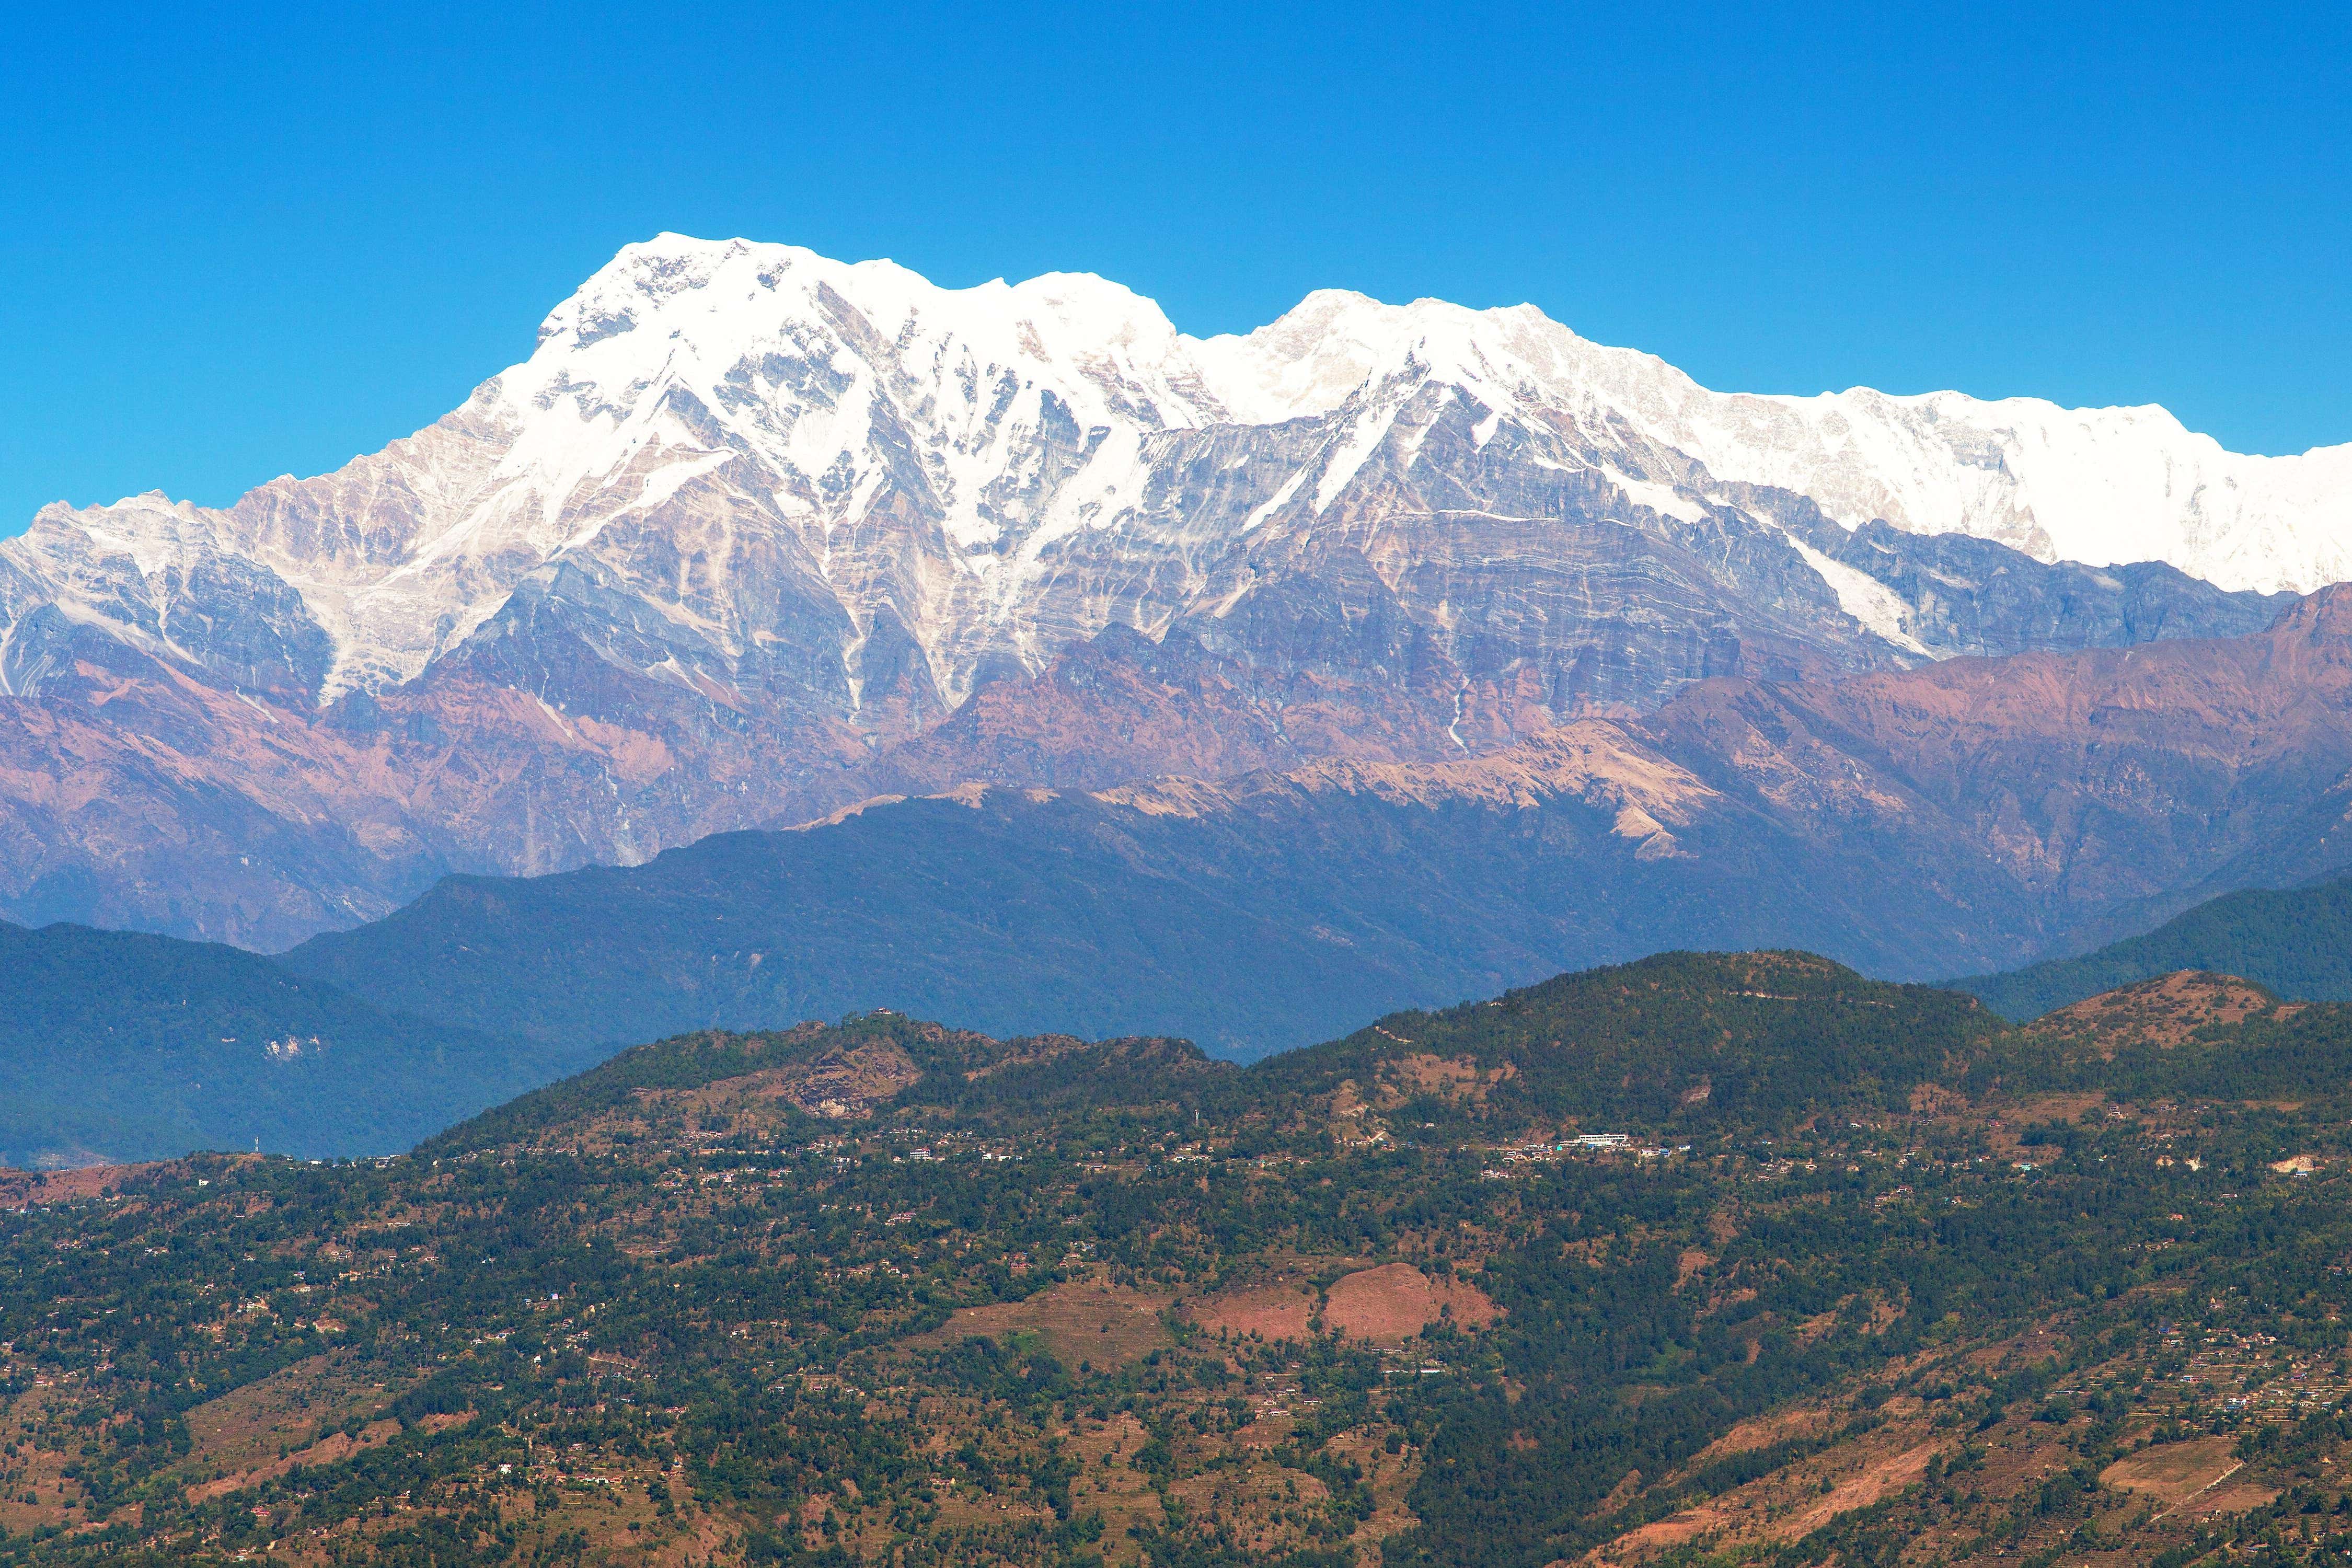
[(753, 535), (1918, 823)]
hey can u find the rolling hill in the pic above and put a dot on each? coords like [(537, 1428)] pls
[(1710, 1258)]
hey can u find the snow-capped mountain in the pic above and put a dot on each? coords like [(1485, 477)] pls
[(752, 532)]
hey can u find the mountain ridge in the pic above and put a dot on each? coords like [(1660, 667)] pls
[(1914, 823), (2293, 941), (752, 534), (121, 1045), (506, 464)]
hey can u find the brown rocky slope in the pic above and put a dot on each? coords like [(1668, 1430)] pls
[(1924, 823)]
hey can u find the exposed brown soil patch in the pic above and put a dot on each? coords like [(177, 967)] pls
[(1880, 1476), (2172, 1473), (326, 1451), (1733, 1516), (1628, 1486), (1457, 1079), (2234, 1497), (1761, 1432), (1396, 1301), (839, 1083), (246, 1428), (1278, 1311), (2002, 1134), (2166, 1011), (1385, 1305), (1034, 1051), (77, 1183), (1078, 1320), (2035, 1344), (1935, 1099)]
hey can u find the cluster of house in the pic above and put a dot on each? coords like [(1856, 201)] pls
[(1588, 1142)]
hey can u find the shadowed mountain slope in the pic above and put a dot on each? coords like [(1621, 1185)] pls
[(2296, 941), (116, 1045), (1913, 823)]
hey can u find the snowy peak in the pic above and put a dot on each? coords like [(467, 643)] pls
[(2106, 486), (753, 533), (2102, 485), (694, 311), (1335, 345), (840, 380), (997, 470)]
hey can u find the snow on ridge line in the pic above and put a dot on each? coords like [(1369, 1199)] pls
[(1330, 308), (1021, 413), (2101, 486)]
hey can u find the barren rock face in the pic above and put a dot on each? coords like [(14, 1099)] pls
[(753, 535), (1922, 824)]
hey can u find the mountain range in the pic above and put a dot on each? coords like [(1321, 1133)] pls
[(752, 537), (1964, 816), (996, 905), (788, 641)]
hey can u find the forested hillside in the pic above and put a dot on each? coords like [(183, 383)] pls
[(1707, 1258), (2296, 941), (121, 1045)]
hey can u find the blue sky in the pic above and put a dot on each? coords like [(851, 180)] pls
[(235, 247)]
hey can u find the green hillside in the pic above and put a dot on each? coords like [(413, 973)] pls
[(121, 1045), (1686, 1040), (1491, 1287), (2296, 941)]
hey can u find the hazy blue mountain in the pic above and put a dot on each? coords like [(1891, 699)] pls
[(1970, 815), (2296, 941), (119, 1046)]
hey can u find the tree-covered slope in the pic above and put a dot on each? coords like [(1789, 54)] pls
[(1264, 919), (1682, 1040), (119, 1046), (2298, 941), (1904, 1286), (860, 1061)]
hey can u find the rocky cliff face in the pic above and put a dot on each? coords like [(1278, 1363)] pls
[(753, 535), (1918, 822)]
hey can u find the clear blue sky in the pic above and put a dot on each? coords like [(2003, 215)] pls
[(232, 248)]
